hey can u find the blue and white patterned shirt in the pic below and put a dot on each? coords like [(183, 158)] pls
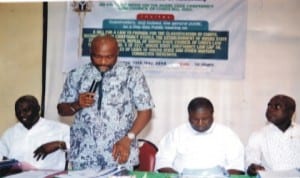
[(94, 132)]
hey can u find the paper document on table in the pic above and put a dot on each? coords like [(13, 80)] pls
[(79, 174), (33, 173), (93, 173), (214, 172), (294, 173)]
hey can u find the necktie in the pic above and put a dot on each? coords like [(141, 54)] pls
[(100, 83)]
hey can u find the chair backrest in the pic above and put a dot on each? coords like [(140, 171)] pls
[(147, 155)]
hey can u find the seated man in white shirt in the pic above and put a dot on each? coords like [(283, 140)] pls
[(35, 142), (275, 147), (200, 144)]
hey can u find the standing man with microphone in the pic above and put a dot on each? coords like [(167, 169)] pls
[(108, 120)]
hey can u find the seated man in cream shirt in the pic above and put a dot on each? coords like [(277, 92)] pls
[(276, 146), (200, 144), (35, 142)]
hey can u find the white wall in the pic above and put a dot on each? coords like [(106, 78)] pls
[(272, 62)]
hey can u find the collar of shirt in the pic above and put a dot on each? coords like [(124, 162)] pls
[(36, 125), (209, 131), (275, 128), (291, 132)]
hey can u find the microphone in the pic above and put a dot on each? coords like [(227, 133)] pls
[(93, 87)]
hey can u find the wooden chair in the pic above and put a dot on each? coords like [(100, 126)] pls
[(147, 154)]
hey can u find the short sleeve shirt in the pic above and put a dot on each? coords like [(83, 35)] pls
[(95, 131), (20, 143), (274, 149)]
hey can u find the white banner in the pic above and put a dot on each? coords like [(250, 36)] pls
[(189, 38)]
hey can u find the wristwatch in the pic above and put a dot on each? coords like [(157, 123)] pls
[(131, 135)]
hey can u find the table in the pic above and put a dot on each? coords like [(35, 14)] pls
[(139, 174)]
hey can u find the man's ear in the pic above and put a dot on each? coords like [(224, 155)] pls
[(291, 114), (36, 110)]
